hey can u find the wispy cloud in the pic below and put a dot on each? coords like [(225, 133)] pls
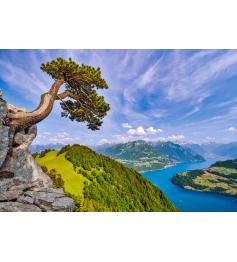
[(126, 125), (150, 75), (180, 91), (189, 77), (231, 129), (193, 111), (56, 138), (181, 77), (26, 81)]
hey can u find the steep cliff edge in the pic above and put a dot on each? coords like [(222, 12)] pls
[(23, 184)]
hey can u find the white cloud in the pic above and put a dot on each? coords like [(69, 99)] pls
[(140, 131), (126, 125), (137, 132), (134, 136), (152, 131), (103, 141), (162, 139), (47, 133), (231, 129), (209, 139), (62, 138), (56, 138), (123, 139), (176, 138)]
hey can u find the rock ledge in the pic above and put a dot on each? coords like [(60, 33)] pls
[(24, 187)]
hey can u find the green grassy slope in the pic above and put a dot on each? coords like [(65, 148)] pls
[(73, 182), (98, 183), (221, 178)]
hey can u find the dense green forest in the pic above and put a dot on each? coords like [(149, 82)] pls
[(99, 183), (220, 177)]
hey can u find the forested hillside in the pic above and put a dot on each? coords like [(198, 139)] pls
[(98, 183), (220, 177)]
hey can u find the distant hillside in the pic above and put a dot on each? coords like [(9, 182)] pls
[(221, 178), (213, 149), (144, 156), (98, 183), (177, 152), (227, 150), (39, 148), (196, 148)]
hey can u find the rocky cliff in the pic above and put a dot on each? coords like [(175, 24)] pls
[(23, 184)]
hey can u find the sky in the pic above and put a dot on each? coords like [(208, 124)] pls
[(176, 95)]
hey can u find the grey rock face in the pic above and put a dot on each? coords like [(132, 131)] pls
[(20, 162), (4, 132), (12, 195), (45, 199), (62, 203), (26, 199), (18, 207), (23, 184)]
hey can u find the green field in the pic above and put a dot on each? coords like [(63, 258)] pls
[(73, 182)]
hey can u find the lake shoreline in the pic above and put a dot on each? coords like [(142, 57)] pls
[(189, 200), (168, 166), (206, 183), (200, 191)]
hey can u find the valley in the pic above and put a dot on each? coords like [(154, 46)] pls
[(145, 156)]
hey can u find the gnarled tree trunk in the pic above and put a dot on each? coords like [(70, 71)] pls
[(21, 120)]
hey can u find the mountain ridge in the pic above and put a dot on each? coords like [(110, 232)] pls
[(146, 156), (213, 149), (35, 148)]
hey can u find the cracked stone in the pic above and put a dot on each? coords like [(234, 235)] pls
[(18, 207)]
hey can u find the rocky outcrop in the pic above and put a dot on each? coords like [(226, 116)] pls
[(16, 195), (4, 132), (23, 184)]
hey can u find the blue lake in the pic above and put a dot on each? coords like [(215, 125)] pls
[(187, 200)]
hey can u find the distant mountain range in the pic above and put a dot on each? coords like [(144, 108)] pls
[(144, 156), (208, 150), (39, 148)]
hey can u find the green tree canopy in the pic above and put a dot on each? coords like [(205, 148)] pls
[(79, 101)]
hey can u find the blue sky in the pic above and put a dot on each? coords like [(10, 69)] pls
[(177, 95)]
